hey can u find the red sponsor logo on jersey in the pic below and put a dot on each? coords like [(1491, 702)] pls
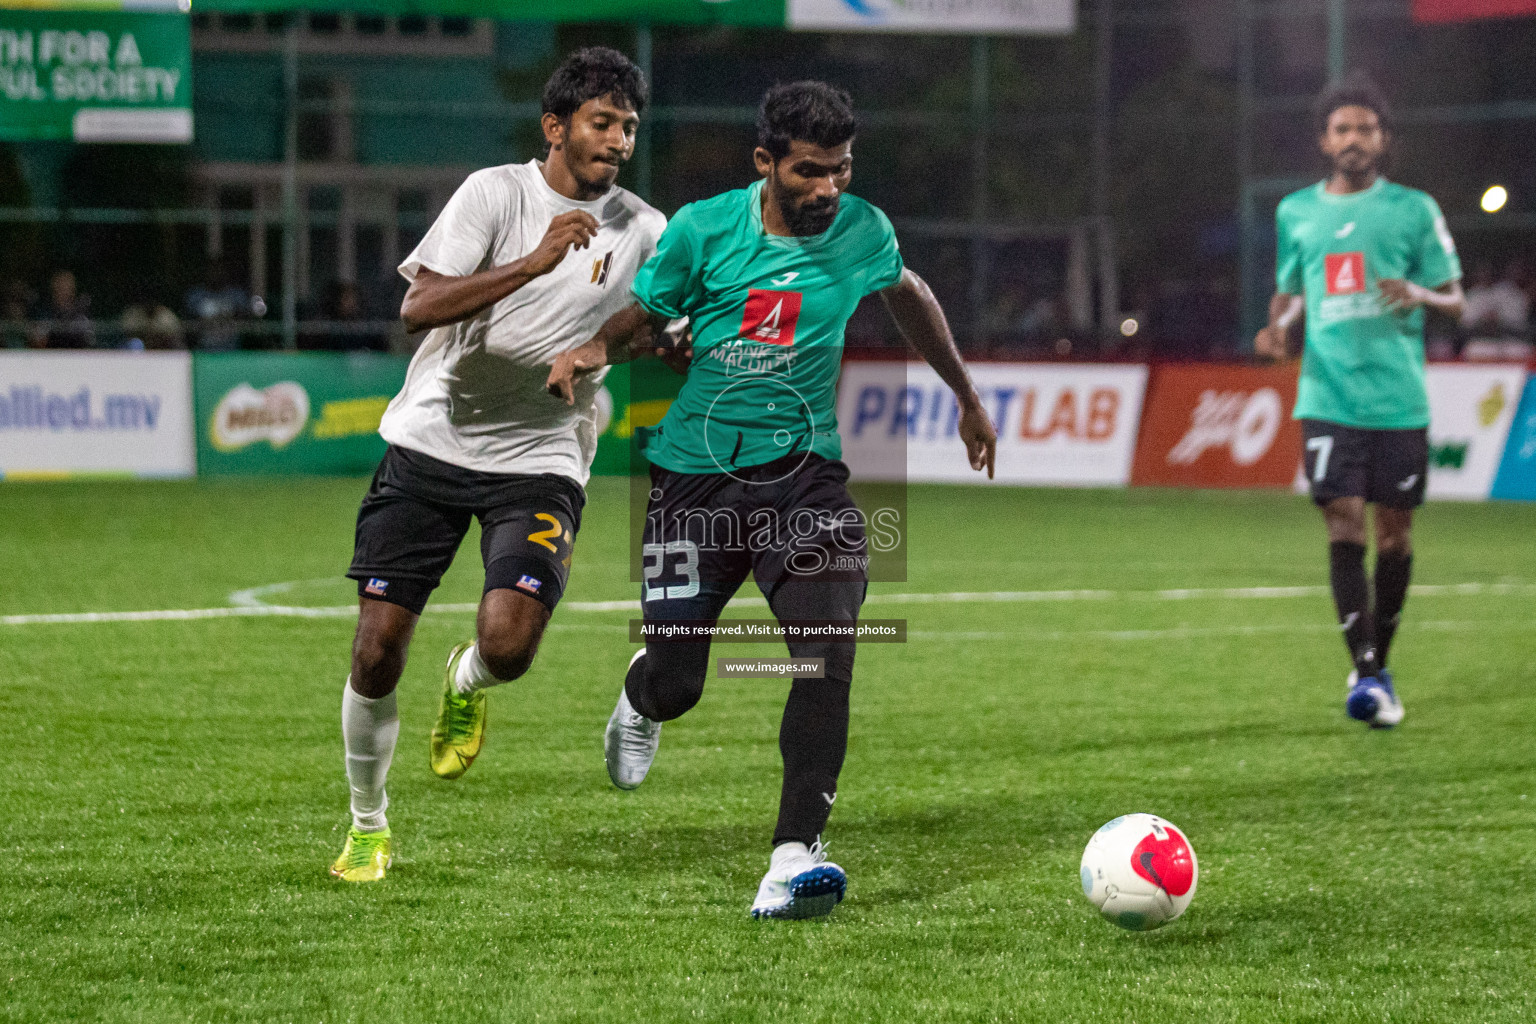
[(1346, 272), (770, 317)]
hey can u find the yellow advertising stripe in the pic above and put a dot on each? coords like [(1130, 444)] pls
[(350, 417), (48, 475)]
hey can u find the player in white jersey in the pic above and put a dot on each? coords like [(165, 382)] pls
[(526, 261)]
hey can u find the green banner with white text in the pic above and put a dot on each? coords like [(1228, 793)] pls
[(95, 76), (768, 13)]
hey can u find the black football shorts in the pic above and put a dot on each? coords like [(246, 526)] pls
[(1387, 467), (788, 520), (418, 509)]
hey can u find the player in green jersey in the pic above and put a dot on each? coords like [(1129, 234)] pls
[(745, 474), (1361, 259)]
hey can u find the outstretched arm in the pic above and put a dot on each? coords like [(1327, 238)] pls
[(632, 331), (1273, 340), (436, 300), (921, 322)]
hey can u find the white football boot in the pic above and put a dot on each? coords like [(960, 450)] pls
[(800, 883), (630, 741), (1373, 700)]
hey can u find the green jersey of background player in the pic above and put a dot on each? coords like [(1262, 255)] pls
[(1362, 259), (767, 277)]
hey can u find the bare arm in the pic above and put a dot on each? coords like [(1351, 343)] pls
[(1405, 295), (626, 334), (1285, 312), (920, 319), (436, 300)]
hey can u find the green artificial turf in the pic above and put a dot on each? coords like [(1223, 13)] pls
[(171, 793)]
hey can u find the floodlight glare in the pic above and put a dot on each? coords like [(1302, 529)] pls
[(1495, 198)]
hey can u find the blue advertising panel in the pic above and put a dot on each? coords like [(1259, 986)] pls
[(1517, 472)]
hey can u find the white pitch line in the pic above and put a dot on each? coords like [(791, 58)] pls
[(1198, 632), (258, 610)]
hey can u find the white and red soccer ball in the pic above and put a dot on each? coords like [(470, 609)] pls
[(1140, 871)]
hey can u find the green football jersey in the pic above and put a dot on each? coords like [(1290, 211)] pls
[(1363, 365), (767, 314)]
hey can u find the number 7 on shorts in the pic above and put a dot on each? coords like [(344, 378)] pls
[(1323, 446)]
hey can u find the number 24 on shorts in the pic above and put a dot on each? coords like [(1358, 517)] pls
[(547, 538)]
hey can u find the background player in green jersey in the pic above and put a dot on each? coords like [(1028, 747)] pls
[(745, 474), (1361, 259)]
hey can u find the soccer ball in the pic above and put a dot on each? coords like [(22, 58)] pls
[(1140, 872)]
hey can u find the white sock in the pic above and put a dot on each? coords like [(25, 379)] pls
[(784, 853), (472, 674), (369, 728)]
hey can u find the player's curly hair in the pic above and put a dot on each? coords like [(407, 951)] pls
[(812, 112), (591, 73), (1355, 90)]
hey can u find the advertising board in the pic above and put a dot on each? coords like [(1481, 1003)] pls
[(1209, 425), (1066, 425), (96, 75), (292, 412), (1517, 471), (1471, 408), (996, 17), (98, 413)]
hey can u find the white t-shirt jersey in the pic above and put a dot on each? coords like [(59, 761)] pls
[(474, 394)]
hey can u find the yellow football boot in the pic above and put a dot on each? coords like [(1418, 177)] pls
[(460, 730), (365, 858)]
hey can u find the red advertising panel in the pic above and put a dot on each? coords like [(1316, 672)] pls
[(1468, 10), (1218, 426)]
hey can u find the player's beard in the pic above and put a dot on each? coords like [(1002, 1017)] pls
[(1362, 165), (805, 218)]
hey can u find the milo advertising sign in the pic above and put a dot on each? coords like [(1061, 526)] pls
[(269, 412), (318, 413)]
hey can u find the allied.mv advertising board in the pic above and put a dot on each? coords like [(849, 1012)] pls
[(65, 414), (994, 17)]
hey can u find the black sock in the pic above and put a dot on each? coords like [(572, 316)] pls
[(813, 739), (1351, 596), (1392, 574)]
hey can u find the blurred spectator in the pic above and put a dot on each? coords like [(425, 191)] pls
[(15, 298), (151, 325), (1497, 318), (1497, 307), (1044, 319), (215, 305), (66, 315), (343, 305)]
